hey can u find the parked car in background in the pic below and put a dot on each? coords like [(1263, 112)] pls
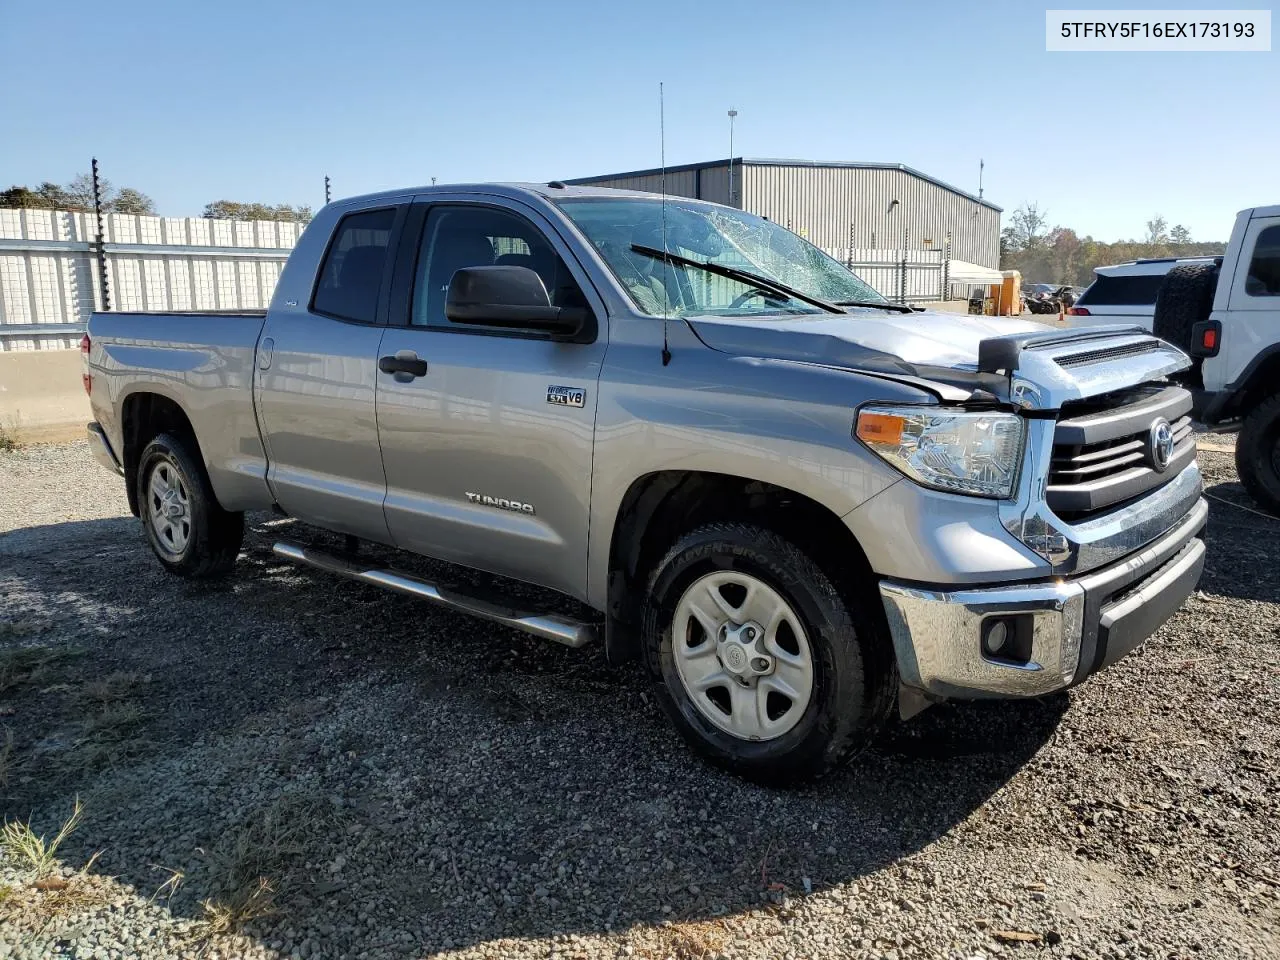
[(1125, 292), (1226, 313)]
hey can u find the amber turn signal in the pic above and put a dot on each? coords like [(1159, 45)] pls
[(880, 428)]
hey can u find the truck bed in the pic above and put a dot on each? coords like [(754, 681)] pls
[(203, 361)]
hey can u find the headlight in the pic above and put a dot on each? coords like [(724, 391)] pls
[(973, 453)]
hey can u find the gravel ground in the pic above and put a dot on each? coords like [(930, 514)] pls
[(288, 765)]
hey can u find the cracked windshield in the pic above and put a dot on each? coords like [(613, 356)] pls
[(717, 236)]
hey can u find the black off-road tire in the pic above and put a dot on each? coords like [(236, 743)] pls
[(1258, 454), (1185, 298), (855, 678), (213, 535)]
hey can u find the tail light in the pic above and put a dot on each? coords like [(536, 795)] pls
[(85, 345), (1206, 338), (1077, 311)]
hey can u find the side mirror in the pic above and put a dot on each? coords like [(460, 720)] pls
[(506, 296)]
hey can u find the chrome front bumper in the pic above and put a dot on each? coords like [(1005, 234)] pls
[(1074, 626), (100, 447)]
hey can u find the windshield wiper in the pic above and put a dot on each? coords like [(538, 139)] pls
[(885, 305), (733, 273)]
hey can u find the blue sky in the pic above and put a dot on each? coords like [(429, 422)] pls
[(257, 101)]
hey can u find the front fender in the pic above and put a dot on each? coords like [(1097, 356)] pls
[(790, 425)]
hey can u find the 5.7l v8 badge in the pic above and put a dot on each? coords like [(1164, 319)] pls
[(567, 396)]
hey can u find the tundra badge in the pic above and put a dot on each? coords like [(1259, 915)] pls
[(567, 396), (502, 503)]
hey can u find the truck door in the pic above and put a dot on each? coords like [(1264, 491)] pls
[(487, 442), (317, 368)]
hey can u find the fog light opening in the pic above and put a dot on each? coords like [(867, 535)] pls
[(995, 637), (1007, 639)]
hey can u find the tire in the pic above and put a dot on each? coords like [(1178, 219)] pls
[(189, 532), (853, 675), (1258, 454), (1185, 298)]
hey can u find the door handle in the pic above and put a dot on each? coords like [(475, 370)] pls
[(264, 353), (406, 363)]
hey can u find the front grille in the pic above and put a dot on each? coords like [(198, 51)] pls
[(1102, 456)]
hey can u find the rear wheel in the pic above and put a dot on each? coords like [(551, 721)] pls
[(761, 664), (1258, 454), (188, 530)]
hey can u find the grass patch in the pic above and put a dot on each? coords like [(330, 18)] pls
[(36, 853), (113, 721), (108, 736), (28, 666), (251, 863), (115, 686), (8, 442)]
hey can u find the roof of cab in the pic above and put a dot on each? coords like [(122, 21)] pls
[(543, 190)]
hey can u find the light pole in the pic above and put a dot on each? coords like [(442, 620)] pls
[(732, 113)]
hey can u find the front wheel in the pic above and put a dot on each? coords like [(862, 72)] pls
[(1258, 454), (765, 669), (188, 530)]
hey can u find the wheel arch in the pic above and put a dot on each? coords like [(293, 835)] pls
[(661, 505), (1261, 379), (144, 415)]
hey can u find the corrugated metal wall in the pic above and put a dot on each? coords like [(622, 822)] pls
[(821, 203), (49, 273), (705, 183)]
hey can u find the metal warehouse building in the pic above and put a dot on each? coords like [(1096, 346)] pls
[(840, 207)]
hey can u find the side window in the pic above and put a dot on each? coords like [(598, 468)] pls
[(1263, 279), (351, 276), (457, 237)]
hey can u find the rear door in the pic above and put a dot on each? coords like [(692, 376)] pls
[(317, 372), (487, 446)]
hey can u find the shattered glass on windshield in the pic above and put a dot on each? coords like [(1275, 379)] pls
[(715, 235)]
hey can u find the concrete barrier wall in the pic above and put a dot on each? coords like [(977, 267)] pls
[(42, 396)]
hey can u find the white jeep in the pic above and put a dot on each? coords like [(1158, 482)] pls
[(1227, 316)]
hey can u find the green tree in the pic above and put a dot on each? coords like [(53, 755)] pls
[(1060, 255), (1029, 225), (234, 210), (77, 196), (129, 200), (1157, 230)]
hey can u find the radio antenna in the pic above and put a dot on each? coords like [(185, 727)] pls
[(662, 154)]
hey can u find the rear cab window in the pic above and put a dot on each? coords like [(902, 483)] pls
[(350, 279)]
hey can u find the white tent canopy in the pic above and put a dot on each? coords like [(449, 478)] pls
[(964, 272)]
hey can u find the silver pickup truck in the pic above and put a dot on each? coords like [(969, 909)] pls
[(796, 502)]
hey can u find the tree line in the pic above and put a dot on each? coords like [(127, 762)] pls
[(77, 196), (1045, 254)]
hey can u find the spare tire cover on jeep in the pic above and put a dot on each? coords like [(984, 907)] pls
[(1185, 298)]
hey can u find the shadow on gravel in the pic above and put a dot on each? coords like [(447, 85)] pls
[(1242, 547), (411, 779)]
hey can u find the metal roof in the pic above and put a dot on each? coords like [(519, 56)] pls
[(777, 162)]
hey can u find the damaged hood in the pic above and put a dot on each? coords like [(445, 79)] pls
[(941, 351), (912, 344)]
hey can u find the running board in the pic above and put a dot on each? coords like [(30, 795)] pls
[(548, 626)]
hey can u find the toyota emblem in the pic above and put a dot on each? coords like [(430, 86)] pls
[(1160, 445)]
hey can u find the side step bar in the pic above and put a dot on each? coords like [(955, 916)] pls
[(548, 626)]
